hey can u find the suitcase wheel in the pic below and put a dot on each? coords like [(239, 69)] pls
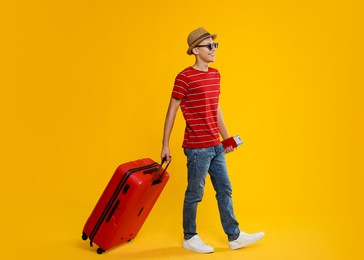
[(100, 250), (84, 236)]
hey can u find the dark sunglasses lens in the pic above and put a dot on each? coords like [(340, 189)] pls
[(212, 45)]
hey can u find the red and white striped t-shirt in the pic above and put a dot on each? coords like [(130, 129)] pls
[(199, 92)]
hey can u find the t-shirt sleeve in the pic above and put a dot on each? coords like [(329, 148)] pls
[(180, 86)]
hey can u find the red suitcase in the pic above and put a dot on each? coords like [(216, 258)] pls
[(125, 203)]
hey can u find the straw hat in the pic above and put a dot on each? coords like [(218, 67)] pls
[(197, 36)]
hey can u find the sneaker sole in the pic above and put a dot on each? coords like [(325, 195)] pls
[(245, 244), (198, 251)]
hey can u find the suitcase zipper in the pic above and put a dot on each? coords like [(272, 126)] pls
[(114, 197)]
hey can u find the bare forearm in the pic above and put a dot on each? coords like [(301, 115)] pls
[(168, 126), (169, 122), (222, 127)]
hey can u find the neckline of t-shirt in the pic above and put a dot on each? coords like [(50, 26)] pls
[(208, 69)]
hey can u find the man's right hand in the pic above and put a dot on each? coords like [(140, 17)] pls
[(165, 153)]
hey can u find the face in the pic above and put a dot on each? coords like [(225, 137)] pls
[(203, 52)]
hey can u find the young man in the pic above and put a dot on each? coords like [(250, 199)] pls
[(196, 90)]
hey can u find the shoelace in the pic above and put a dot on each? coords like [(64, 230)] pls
[(200, 242)]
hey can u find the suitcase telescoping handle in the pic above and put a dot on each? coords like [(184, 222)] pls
[(154, 180)]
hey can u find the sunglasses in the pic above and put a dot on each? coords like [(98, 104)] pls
[(210, 45)]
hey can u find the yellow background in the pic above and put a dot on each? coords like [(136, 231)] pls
[(85, 86)]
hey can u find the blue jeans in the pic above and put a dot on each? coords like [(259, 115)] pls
[(200, 162)]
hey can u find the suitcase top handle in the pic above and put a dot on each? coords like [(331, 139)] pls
[(154, 181)]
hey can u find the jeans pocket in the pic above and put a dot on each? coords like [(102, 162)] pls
[(190, 154)]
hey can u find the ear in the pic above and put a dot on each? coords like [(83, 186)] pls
[(195, 51)]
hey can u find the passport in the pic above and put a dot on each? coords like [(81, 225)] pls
[(233, 141)]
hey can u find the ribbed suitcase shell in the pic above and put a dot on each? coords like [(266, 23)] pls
[(125, 203)]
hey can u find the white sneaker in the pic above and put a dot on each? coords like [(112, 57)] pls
[(245, 239), (196, 244)]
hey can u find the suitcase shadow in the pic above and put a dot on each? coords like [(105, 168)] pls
[(124, 251), (168, 253), (158, 253)]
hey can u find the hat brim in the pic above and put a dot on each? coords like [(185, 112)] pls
[(189, 51)]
